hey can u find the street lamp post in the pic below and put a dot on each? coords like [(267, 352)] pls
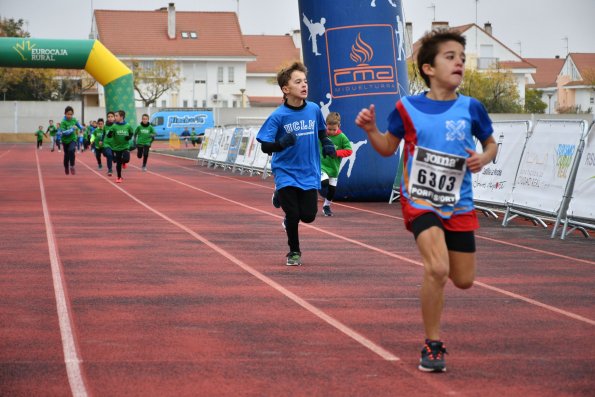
[(242, 90), (4, 92), (549, 105)]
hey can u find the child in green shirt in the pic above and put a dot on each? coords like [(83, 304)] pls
[(40, 134), (121, 133), (144, 136)]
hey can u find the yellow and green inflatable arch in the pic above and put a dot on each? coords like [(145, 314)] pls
[(90, 55)]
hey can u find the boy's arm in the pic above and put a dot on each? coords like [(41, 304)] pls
[(345, 150), (384, 143), (476, 161), (328, 147)]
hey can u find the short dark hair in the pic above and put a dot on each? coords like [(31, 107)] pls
[(430, 44), (144, 114), (284, 74), (110, 112), (122, 113), (100, 120), (68, 109), (333, 118)]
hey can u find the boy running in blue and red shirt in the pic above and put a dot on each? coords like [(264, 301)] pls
[(438, 127)]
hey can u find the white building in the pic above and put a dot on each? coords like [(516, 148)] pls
[(208, 47), (486, 52)]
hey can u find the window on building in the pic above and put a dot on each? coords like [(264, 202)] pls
[(185, 103), (220, 74), (230, 74), (225, 103), (163, 103), (195, 103), (592, 100), (204, 103)]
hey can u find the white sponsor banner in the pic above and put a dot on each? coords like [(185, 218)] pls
[(223, 147), (247, 151), (582, 204), (493, 184), (207, 138), (545, 165)]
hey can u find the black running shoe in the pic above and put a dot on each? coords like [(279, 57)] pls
[(432, 357), (327, 210)]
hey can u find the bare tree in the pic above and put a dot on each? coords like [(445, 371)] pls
[(153, 79)]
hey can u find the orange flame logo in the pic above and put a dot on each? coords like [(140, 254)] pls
[(361, 52)]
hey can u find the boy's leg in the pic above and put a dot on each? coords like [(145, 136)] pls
[(118, 160), (109, 158), (290, 204), (432, 247), (308, 204), (98, 157), (146, 151), (65, 161), (139, 152)]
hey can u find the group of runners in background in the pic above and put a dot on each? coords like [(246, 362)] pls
[(112, 138)]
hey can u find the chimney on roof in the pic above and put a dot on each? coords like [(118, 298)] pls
[(297, 38), (171, 21), (488, 28), (439, 25)]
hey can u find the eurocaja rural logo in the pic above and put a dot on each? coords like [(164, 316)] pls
[(31, 52), (362, 61)]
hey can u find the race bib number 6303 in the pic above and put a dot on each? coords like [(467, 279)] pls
[(436, 177)]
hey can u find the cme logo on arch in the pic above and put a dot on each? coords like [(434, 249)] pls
[(362, 61)]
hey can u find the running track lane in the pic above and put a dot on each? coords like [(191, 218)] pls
[(330, 285)]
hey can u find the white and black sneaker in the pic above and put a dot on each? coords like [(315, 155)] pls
[(327, 210)]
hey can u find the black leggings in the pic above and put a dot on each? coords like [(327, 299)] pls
[(327, 190), (69, 154), (143, 152), (298, 205), (121, 157), (98, 155)]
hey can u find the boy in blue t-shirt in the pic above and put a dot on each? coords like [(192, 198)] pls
[(292, 133), (438, 127)]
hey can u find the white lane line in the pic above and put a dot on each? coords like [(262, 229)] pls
[(367, 343), (393, 255), (392, 216), (71, 354)]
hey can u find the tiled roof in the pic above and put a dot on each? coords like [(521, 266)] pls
[(524, 64), (548, 70), (583, 61), (144, 33), (273, 52)]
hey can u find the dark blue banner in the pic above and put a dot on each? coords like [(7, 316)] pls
[(355, 54)]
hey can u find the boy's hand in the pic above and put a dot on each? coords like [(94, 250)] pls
[(287, 140), (328, 148), (366, 119), (475, 161)]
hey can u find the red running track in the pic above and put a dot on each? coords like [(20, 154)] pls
[(174, 284)]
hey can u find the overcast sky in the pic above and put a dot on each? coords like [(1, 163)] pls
[(532, 28)]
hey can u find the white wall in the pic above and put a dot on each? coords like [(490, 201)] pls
[(583, 98), (260, 85)]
